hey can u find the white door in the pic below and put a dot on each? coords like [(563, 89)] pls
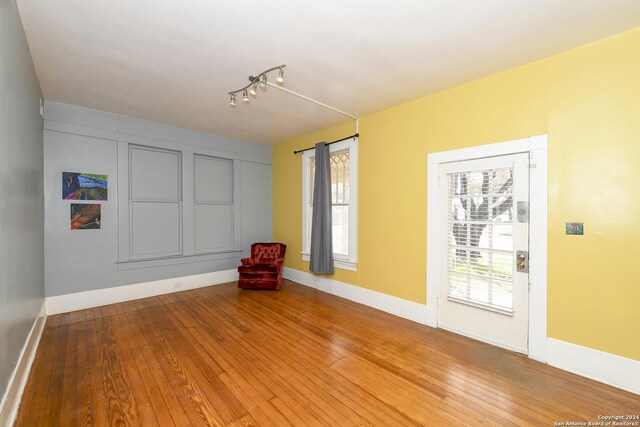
[(484, 242)]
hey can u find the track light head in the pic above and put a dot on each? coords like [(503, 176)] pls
[(255, 81)]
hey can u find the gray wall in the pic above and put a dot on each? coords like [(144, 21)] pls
[(82, 140), (21, 196)]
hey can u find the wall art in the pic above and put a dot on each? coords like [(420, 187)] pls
[(84, 186)]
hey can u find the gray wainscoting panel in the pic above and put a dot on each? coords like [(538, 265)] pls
[(82, 140), (255, 196), (78, 260)]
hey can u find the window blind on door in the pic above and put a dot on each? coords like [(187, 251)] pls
[(480, 255)]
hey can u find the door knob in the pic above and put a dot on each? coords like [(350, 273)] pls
[(521, 258), (521, 266)]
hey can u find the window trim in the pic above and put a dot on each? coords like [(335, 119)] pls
[(132, 201), (231, 203), (340, 261), (125, 261)]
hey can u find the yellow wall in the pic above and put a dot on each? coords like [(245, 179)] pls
[(588, 101)]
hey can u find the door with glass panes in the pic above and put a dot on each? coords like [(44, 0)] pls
[(484, 242)]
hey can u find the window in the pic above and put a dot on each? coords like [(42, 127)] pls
[(344, 200), (177, 205), (213, 204), (155, 203)]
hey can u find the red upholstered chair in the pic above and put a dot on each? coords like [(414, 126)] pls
[(264, 269)]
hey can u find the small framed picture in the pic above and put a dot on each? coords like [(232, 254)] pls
[(85, 216)]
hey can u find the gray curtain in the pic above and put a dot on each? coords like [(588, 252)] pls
[(321, 256)]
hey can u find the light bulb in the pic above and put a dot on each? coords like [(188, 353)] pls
[(252, 91), (245, 97), (280, 78), (263, 81), (232, 100)]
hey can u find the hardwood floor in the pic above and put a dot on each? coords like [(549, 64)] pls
[(223, 357)]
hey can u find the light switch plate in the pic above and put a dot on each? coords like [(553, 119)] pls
[(575, 228)]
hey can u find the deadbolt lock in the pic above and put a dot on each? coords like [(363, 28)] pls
[(522, 261)]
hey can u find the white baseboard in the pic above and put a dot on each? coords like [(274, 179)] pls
[(538, 346), (18, 380), (604, 367), (396, 306), (81, 300)]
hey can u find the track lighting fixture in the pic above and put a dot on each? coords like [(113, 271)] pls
[(261, 80), (254, 81)]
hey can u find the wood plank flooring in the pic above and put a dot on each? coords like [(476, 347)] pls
[(219, 356)]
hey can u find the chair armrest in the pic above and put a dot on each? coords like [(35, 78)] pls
[(279, 261), (247, 261)]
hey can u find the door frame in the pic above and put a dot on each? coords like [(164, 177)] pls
[(537, 147)]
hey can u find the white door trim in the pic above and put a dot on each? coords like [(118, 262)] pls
[(537, 147)]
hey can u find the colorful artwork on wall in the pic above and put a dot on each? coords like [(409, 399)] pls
[(85, 216), (84, 186)]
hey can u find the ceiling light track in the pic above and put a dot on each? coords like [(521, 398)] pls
[(312, 100), (261, 80)]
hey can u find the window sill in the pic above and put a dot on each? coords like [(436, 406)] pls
[(341, 263)]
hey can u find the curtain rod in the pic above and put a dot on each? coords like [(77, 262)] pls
[(355, 135)]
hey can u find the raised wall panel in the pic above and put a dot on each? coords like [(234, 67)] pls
[(214, 227), (93, 141), (213, 180), (255, 214), (156, 229), (155, 174)]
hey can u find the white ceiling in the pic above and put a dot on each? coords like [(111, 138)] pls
[(173, 61)]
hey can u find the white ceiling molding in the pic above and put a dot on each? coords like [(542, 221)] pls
[(175, 61)]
